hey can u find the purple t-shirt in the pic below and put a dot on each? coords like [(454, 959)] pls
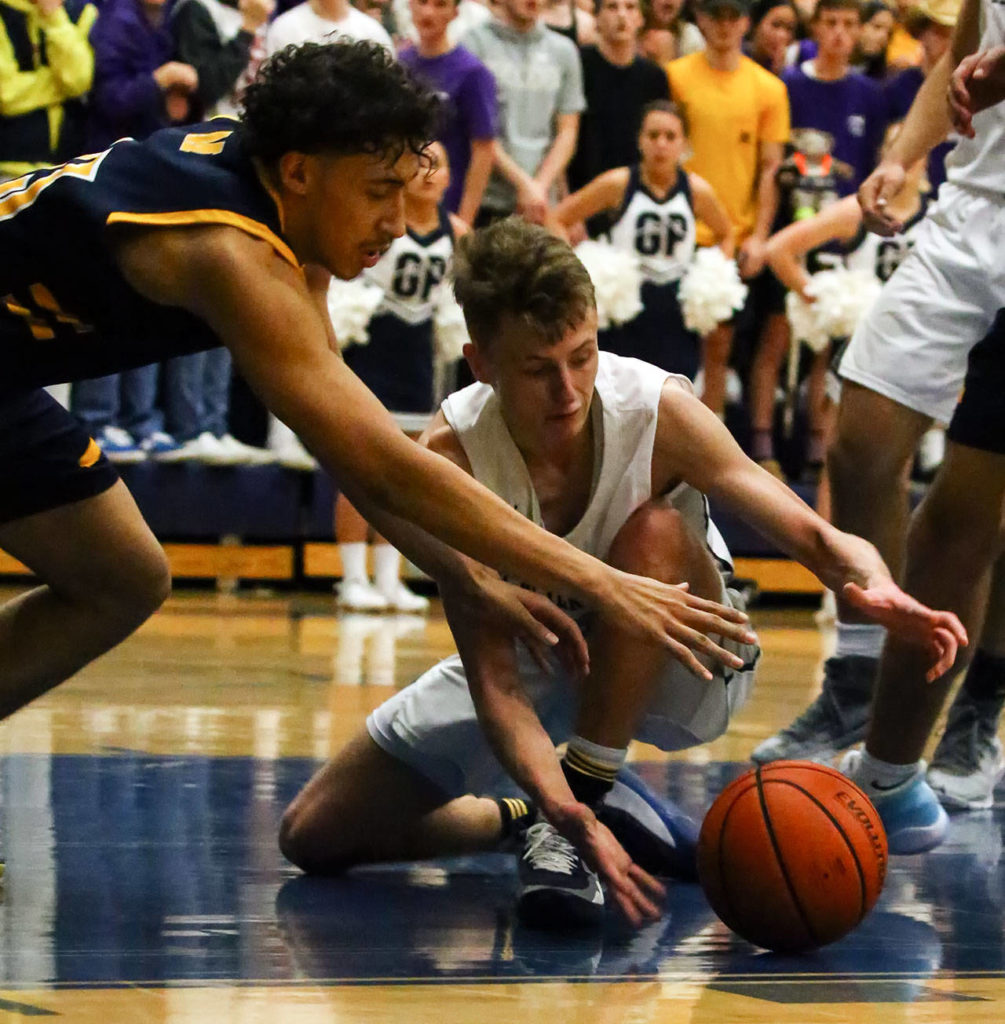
[(853, 110), (469, 91)]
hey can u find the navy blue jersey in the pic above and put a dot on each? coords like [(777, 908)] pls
[(66, 311)]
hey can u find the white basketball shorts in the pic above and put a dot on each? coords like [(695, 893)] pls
[(941, 301), (431, 725)]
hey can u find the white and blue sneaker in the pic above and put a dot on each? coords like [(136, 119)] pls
[(655, 833), (119, 446), (556, 889), (161, 447), (914, 819)]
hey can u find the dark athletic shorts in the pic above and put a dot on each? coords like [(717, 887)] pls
[(979, 419), (46, 458)]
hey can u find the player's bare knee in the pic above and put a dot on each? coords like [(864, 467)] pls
[(857, 464), (655, 541), (146, 583), (128, 590)]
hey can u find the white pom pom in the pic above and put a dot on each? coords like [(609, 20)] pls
[(351, 305), (449, 328), (711, 291), (841, 299), (804, 323), (617, 281)]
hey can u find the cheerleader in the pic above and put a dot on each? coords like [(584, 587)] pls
[(654, 206), (397, 364), (833, 237)]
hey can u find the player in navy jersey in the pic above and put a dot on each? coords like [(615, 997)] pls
[(229, 232), (397, 364), (655, 206)]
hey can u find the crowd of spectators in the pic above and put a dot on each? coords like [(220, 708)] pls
[(785, 105)]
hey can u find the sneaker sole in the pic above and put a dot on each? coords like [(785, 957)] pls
[(906, 841), (550, 909), (676, 858)]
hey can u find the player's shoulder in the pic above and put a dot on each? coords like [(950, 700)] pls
[(170, 265), (441, 438)]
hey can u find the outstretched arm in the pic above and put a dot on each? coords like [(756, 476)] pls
[(693, 445), (260, 307)]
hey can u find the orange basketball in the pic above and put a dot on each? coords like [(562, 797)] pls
[(792, 855)]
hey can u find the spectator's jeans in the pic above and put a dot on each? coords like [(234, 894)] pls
[(197, 394), (126, 400)]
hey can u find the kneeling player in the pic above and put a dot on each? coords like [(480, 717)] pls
[(616, 456)]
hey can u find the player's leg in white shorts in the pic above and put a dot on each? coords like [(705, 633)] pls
[(941, 300), (432, 726)]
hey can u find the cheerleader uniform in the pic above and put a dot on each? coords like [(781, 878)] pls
[(397, 363), (661, 235)]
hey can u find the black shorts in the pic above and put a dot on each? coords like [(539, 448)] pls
[(979, 419), (46, 458)]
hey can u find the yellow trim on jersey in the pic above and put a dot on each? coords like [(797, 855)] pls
[(91, 454), (181, 218), (205, 143), (17, 194)]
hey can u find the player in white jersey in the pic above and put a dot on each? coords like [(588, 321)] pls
[(904, 369), (397, 365), (654, 206), (616, 456)]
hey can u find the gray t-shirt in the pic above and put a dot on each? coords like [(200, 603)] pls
[(538, 76)]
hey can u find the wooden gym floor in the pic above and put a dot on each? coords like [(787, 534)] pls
[(143, 884)]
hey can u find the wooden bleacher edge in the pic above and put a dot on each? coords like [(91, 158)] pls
[(279, 563)]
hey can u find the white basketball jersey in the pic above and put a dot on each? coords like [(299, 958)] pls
[(410, 270), (880, 256), (660, 233), (977, 163), (625, 411)]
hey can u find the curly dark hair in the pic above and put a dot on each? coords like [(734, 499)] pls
[(520, 269), (338, 98)]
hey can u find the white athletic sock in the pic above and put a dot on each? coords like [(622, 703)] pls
[(386, 569), (354, 562), (861, 640), (877, 777), (593, 759)]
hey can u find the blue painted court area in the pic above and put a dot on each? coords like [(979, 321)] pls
[(127, 868)]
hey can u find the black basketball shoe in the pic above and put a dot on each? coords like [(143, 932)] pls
[(557, 890)]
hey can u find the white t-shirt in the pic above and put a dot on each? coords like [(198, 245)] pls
[(300, 24)]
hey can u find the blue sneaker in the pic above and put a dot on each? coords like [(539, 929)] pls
[(656, 833), (914, 819)]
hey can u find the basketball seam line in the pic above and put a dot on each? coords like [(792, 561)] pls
[(723, 874), (781, 863), (840, 828)]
